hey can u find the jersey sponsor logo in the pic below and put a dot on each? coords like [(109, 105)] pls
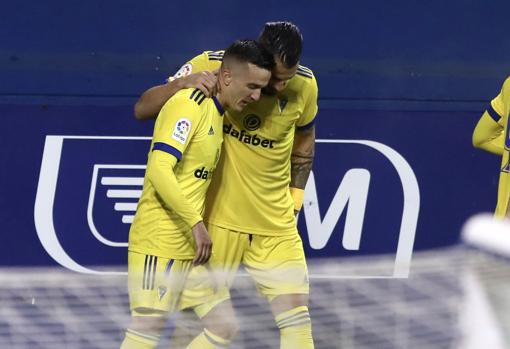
[(185, 70), (252, 122), (247, 138), (202, 173), (181, 130)]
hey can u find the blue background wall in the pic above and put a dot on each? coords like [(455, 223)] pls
[(427, 50), (414, 75)]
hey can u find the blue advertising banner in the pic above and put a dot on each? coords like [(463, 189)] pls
[(383, 182)]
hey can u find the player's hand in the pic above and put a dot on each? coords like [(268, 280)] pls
[(203, 244), (205, 81)]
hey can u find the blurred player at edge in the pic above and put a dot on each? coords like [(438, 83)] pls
[(492, 134), (168, 235), (252, 203)]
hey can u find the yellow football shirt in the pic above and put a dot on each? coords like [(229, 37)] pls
[(501, 106), (251, 193), (188, 127)]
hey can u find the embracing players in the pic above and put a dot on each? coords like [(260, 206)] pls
[(257, 190), (168, 235)]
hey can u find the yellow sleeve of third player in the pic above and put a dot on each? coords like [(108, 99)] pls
[(208, 60), (489, 133), (501, 104)]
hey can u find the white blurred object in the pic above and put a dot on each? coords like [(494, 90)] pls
[(483, 231), (484, 318), (478, 322)]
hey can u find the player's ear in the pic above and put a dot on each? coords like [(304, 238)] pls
[(226, 75)]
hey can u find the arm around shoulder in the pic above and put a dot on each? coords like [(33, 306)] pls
[(152, 100)]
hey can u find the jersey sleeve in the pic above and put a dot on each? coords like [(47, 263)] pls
[(310, 108), (175, 126), (208, 60), (160, 172), (177, 121), (500, 105), (488, 135), (489, 132)]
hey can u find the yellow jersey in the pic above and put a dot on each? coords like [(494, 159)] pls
[(500, 108), (251, 194), (189, 127)]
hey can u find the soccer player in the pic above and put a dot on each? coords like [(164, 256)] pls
[(252, 202), (168, 234), (492, 134)]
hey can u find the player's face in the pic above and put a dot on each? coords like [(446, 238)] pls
[(279, 78), (246, 85)]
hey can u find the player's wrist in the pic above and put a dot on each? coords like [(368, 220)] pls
[(194, 222), (176, 82), (298, 196)]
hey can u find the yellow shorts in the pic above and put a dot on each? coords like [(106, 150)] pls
[(276, 263), (155, 284)]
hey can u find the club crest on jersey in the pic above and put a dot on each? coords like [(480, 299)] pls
[(282, 103), (252, 122), (184, 71), (181, 130)]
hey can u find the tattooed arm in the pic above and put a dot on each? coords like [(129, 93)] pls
[(303, 152)]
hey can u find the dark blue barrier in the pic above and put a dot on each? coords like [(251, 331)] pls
[(415, 175), (420, 50)]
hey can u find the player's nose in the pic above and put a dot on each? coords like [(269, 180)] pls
[(255, 95)]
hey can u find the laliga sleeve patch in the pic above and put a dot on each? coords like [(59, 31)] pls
[(184, 71), (181, 130)]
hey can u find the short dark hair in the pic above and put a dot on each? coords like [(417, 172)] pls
[(250, 51), (284, 40)]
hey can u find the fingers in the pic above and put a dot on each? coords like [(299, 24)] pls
[(214, 90), (208, 82), (208, 252), (205, 89), (198, 260), (205, 81), (203, 244), (203, 252), (202, 256)]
